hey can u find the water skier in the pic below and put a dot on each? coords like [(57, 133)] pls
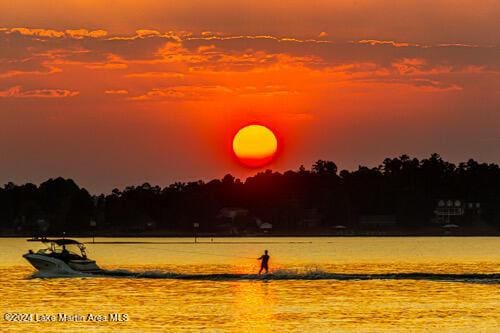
[(264, 262)]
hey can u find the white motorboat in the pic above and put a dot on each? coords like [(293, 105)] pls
[(61, 256)]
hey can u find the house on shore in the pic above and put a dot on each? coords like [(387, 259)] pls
[(237, 221)]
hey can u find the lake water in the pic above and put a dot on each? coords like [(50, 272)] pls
[(419, 284)]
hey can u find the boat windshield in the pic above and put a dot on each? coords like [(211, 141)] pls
[(64, 248), (70, 250)]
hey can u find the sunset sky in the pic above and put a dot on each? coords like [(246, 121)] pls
[(116, 93)]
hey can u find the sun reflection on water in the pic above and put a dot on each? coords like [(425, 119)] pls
[(248, 303)]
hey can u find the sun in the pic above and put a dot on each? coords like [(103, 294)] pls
[(255, 145)]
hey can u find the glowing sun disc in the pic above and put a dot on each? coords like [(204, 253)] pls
[(255, 145)]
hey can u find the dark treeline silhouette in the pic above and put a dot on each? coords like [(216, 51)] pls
[(405, 190)]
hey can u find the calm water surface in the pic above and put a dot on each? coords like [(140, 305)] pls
[(316, 285)]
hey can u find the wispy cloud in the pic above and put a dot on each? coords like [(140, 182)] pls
[(50, 33), (116, 92), (386, 42), (182, 65), (18, 92), (156, 75)]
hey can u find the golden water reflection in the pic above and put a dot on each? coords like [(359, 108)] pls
[(252, 305)]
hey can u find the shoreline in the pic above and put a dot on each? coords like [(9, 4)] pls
[(201, 237)]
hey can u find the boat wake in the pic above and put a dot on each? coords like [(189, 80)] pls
[(493, 278), (50, 275), (309, 275)]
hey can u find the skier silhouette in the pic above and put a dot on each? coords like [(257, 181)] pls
[(264, 262)]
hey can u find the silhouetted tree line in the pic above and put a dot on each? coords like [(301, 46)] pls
[(404, 187)]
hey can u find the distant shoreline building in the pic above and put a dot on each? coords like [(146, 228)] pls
[(236, 221), (455, 210)]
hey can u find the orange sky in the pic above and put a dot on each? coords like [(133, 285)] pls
[(121, 93)]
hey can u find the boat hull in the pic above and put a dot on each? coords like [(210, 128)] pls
[(47, 264)]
